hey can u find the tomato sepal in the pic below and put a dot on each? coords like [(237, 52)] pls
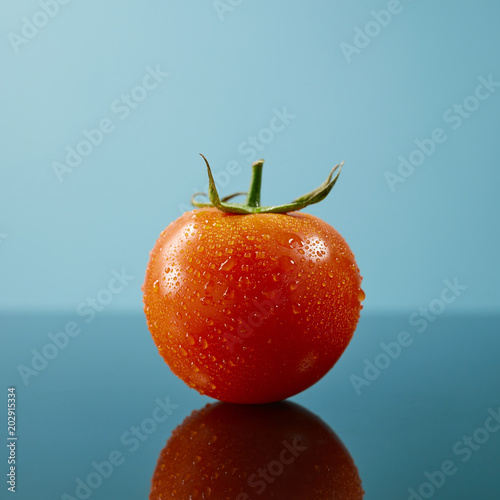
[(252, 205)]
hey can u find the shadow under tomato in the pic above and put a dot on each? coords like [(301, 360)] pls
[(239, 452)]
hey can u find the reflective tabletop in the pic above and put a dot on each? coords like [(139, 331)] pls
[(410, 411)]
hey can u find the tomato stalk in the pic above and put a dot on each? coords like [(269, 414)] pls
[(252, 204), (253, 197)]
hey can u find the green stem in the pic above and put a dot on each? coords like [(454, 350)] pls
[(252, 204), (253, 197)]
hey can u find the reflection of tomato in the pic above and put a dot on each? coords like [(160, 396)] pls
[(280, 451), (254, 307)]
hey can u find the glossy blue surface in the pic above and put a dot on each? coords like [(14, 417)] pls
[(429, 404)]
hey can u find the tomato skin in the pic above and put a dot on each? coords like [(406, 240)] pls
[(251, 308), (278, 451)]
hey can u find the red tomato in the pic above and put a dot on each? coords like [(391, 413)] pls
[(251, 308), (234, 452)]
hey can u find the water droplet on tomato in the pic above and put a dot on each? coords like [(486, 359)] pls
[(207, 301), (156, 286), (203, 343), (289, 240), (294, 286), (361, 295), (227, 265), (191, 340), (183, 351), (296, 309), (286, 263), (229, 294)]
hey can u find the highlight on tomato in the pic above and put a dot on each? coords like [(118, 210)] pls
[(249, 303)]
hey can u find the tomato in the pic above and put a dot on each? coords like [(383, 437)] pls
[(279, 451), (251, 307)]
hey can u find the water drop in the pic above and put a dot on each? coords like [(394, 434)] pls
[(227, 265), (203, 343), (156, 286), (361, 295), (191, 340), (286, 263), (229, 294), (294, 286), (183, 351), (207, 301), (290, 240), (295, 309)]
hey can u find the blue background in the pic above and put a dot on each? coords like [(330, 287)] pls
[(63, 239), (228, 72)]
